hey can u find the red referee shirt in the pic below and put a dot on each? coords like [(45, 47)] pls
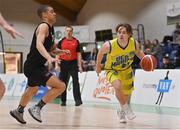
[(71, 45)]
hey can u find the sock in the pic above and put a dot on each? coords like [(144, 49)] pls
[(41, 104), (124, 107), (20, 108)]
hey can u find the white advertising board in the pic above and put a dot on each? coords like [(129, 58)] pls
[(20, 85), (97, 89), (15, 84), (151, 85)]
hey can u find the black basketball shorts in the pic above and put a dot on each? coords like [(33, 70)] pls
[(37, 76)]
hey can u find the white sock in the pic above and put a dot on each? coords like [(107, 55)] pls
[(125, 106)]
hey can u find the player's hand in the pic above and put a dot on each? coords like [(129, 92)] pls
[(67, 52), (12, 32), (50, 60), (98, 69)]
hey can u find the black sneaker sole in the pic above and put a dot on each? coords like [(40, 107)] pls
[(12, 114), (34, 117), (63, 104), (78, 104)]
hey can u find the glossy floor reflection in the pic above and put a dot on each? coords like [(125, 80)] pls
[(90, 116)]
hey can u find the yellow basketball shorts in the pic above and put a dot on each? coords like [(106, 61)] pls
[(125, 76)]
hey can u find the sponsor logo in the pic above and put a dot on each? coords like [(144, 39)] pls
[(164, 85), (104, 89)]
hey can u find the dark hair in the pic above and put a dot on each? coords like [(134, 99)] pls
[(69, 26), (127, 26), (42, 9)]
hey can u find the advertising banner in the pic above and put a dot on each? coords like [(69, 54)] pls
[(160, 87)]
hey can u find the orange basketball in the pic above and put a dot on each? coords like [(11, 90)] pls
[(148, 63)]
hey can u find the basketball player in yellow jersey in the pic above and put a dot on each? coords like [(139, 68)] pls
[(120, 53)]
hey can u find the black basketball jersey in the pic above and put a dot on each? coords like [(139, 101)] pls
[(34, 58)]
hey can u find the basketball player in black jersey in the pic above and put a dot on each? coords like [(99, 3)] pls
[(34, 67)]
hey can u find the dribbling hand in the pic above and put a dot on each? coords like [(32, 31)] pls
[(98, 70)]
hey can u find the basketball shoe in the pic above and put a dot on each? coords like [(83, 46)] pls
[(129, 113), (35, 112), (18, 116), (78, 103), (121, 115)]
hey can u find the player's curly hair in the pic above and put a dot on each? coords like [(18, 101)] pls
[(127, 26)]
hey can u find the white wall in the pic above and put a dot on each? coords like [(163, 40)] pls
[(104, 14), (22, 15), (154, 19), (97, 14)]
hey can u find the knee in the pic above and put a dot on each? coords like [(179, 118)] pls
[(117, 86)]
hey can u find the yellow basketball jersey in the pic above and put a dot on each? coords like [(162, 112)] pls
[(120, 58)]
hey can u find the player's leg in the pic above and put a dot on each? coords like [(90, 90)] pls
[(57, 87), (114, 79), (26, 97), (127, 87), (121, 98), (35, 79), (119, 92), (117, 82)]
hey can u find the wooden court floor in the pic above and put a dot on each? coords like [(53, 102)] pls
[(87, 116)]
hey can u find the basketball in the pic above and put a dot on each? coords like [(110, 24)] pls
[(148, 63)]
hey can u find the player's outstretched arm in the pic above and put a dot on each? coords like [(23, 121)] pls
[(105, 49), (9, 29)]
